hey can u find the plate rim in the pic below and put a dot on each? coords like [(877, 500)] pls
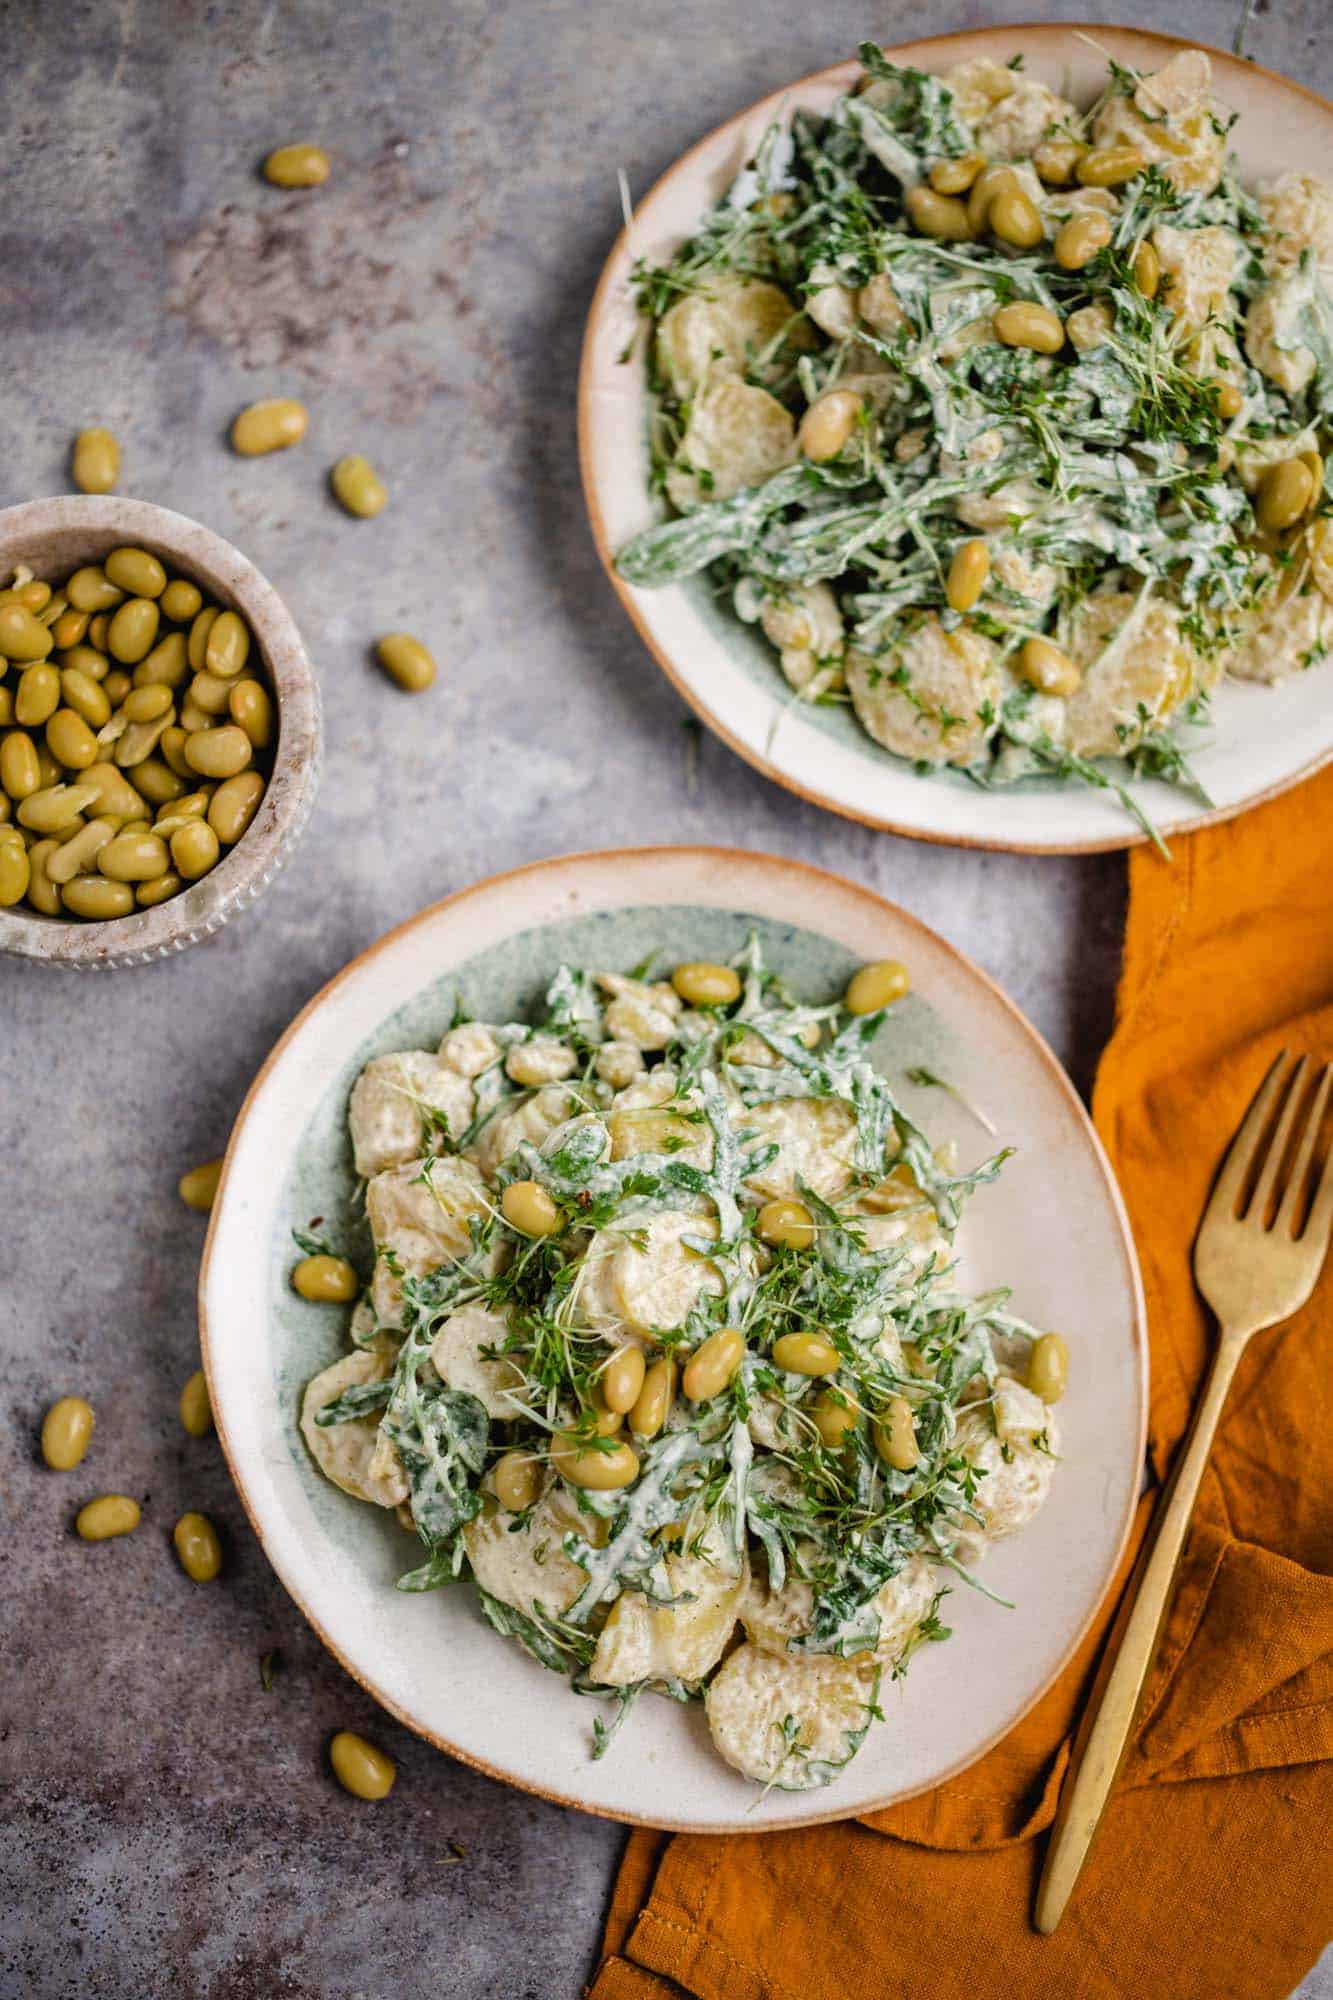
[(720, 857), (610, 274)]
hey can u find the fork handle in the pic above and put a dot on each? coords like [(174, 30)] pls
[(1104, 1733)]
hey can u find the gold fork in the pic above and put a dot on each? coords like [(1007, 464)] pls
[(1252, 1273)]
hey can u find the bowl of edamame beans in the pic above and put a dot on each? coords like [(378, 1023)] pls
[(159, 731)]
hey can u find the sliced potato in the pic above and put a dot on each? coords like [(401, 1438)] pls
[(641, 1641), (350, 1454), (789, 1722), (457, 1354), (933, 698), (526, 1566), (1137, 671), (737, 436), (419, 1220), (727, 330), (1173, 120), (397, 1107)]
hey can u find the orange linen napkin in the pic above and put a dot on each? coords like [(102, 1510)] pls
[(1211, 1875)]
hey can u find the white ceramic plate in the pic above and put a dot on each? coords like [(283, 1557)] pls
[(1264, 739), (1053, 1227)]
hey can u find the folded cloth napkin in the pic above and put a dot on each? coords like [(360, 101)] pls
[(1211, 1875)]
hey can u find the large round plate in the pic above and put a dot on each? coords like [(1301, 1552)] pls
[(1053, 1228), (1264, 740)]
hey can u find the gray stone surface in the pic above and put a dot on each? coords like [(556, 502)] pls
[(169, 1828)]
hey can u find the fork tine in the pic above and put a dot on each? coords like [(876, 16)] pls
[(1317, 1229), (1300, 1166), (1277, 1145), (1237, 1163)]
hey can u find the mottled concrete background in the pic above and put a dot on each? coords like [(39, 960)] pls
[(169, 1829)]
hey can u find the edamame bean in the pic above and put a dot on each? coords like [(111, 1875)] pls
[(359, 487), (20, 772), (149, 894), (87, 697), (37, 696), (78, 855), (528, 1208), (956, 176), (713, 1364), (227, 646), (172, 745), (48, 769), (805, 1354), (991, 181), (90, 589), (67, 1430), (132, 630), (1080, 239), (829, 424), (210, 693), (94, 897), (1024, 324), (1285, 491), (133, 857), (218, 753), (111, 1514), (623, 1378), (181, 601), (70, 740), (199, 1185), (22, 636), (359, 1767), (1230, 400), (406, 661), (196, 1410), (1048, 668), (99, 624), (299, 165), (1088, 327), (1015, 219), (117, 685), (703, 984), (194, 849), (653, 1405), (598, 1469), (895, 1436), (147, 703), (325, 1280), (876, 985), (15, 867), (786, 1224), (270, 425), (942, 216), (68, 629), (197, 643), (136, 745), (42, 892), (833, 1418), (1110, 166), (198, 1547), (233, 806), (6, 712), (135, 572), (96, 461), (968, 572), (518, 1481), (1147, 269), (251, 709), (1048, 1367), (55, 808), (114, 796)]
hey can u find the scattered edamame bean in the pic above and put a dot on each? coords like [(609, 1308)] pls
[(1048, 1367), (358, 487), (518, 1481), (786, 1223), (359, 1767), (299, 165), (653, 1406), (1026, 324), (198, 1547), (598, 1470), (198, 1187), (67, 1430), (406, 661), (968, 572), (833, 1418), (622, 1379), (806, 1354), (703, 984), (269, 425), (1048, 667), (895, 1436), (528, 1208), (713, 1364), (96, 461), (111, 1514), (876, 986), (196, 1411)]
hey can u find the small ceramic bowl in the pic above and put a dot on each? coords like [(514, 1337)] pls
[(54, 537)]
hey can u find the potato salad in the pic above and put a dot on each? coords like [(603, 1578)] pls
[(1005, 418), (663, 1349)]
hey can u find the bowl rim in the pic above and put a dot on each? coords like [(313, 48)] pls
[(241, 875), (926, 49), (724, 860)]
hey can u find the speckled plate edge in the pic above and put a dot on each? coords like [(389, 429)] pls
[(751, 722), (74, 527), (744, 880)]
